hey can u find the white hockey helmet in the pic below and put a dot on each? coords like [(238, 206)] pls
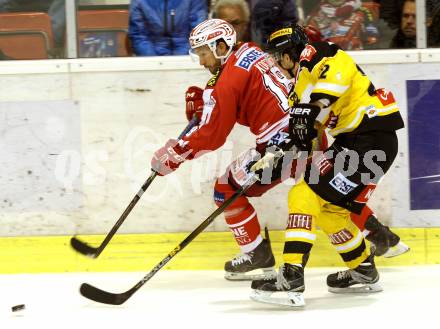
[(211, 30)]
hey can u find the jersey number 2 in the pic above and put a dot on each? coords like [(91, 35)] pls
[(324, 72)]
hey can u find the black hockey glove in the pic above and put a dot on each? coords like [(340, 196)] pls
[(301, 125)]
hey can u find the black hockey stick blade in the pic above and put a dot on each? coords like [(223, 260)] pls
[(83, 248), (105, 297), (102, 296)]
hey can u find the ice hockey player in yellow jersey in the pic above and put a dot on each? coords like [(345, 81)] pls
[(332, 92)]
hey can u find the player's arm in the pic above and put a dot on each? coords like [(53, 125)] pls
[(333, 78), (218, 119)]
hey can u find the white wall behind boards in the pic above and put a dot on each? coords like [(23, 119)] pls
[(114, 120)]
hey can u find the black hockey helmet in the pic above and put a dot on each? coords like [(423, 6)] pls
[(290, 39)]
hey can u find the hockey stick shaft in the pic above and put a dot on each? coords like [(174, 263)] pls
[(105, 297), (87, 250)]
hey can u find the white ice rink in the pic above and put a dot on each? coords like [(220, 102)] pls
[(203, 299)]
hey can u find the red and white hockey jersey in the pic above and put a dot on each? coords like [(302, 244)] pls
[(248, 89)]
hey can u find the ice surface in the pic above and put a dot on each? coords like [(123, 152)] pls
[(203, 299)]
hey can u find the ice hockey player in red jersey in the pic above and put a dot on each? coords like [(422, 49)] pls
[(246, 88)]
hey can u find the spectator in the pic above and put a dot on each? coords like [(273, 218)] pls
[(391, 11), (268, 15), (349, 23), (434, 26), (236, 13), (406, 35), (158, 28), (55, 9)]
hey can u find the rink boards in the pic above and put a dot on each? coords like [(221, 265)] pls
[(209, 251)]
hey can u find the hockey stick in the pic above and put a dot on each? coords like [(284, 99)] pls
[(105, 297), (93, 252)]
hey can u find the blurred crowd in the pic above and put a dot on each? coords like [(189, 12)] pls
[(352, 24), (158, 27)]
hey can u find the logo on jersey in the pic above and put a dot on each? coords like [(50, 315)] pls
[(248, 58), (386, 97), (308, 53), (341, 237), (322, 163), (342, 184), (299, 221), (371, 111), (279, 138)]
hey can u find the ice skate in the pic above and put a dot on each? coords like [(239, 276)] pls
[(362, 279), (383, 241), (256, 264), (285, 289)]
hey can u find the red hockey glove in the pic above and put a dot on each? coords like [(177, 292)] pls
[(301, 125), (168, 158), (194, 102)]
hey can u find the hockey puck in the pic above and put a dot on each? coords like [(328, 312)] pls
[(17, 308)]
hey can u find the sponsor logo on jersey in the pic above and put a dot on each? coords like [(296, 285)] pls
[(248, 58), (279, 138), (301, 221), (342, 184), (371, 111), (322, 163), (341, 237), (386, 97), (308, 53)]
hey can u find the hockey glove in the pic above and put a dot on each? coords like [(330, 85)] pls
[(194, 102), (301, 125), (269, 161), (168, 158)]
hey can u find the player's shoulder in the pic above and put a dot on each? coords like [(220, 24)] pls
[(245, 57), (315, 52), (238, 66)]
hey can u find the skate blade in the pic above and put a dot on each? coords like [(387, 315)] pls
[(357, 289), (286, 298), (258, 274), (396, 250)]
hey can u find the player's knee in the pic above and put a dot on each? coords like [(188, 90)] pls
[(223, 192), (301, 199)]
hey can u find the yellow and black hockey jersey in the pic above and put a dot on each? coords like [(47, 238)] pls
[(329, 74)]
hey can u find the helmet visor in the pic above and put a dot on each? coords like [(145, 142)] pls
[(200, 53)]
